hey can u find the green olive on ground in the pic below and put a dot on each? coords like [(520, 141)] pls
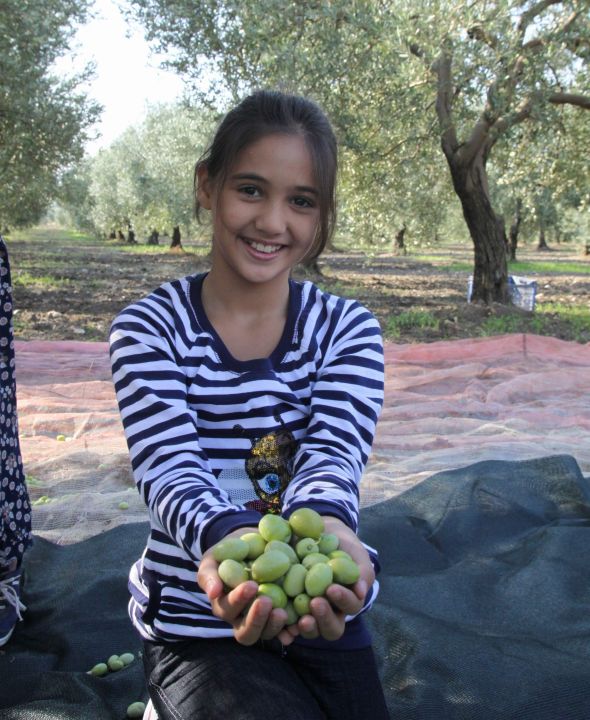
[(135, 710), (305, 546), (301, 604), (328, 543), (115, 663), (319, 577), (270, 566), (294, 582), (306, 522), (256, 544), (232, 572), (314, 558), (346, 572), (275, 593), (284, 548), (99, 669), (127, 658)]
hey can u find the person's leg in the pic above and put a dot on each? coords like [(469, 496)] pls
[(219, 678), (345, 683), (15, 509)]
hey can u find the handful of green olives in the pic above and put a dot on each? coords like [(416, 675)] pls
[(292, 561)]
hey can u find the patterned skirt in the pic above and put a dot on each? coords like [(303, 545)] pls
[(15, 508)]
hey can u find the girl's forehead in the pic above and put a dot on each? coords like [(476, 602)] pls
[(279, 154)]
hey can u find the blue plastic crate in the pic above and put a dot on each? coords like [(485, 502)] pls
[(522, 291)]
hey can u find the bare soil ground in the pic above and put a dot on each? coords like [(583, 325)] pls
[(68, 287)]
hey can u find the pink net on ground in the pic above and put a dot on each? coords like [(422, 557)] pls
[(448, 404)]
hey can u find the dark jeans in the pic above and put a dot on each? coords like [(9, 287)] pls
[(219, 678)]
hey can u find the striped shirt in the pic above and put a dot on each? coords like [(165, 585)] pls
[(215, 441)]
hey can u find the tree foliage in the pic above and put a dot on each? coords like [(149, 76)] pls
[(44, 120), (144, 178), (400, 81)]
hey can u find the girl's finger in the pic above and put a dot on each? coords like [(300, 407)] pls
[(330, 624), (249, 629)]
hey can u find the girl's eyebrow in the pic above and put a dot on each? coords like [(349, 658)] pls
[(259, 178)]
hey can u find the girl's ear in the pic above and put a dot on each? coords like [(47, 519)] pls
[(204, 194)]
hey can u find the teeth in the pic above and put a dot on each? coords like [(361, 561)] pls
[(261, 247)]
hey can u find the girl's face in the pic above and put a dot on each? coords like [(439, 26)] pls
[(266, 215)]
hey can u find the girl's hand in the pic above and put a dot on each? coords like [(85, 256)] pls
[(257, 622), (328, 613)]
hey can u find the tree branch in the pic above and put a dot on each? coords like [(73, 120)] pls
[(444, 94), (563, 98)]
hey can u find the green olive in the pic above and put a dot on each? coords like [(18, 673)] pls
[(346, 572), (339, 554), (99, 669), (301, 604), (274, 527), (284, 548), (328, 543), (135, 710), (232, 572), (294, 582), (127, 658), (233, 548), (275, 593), (306, 522), (292, 615), (314, 558), (319, 577), (270, 566), (115, 663), (305, 546), (256, 544)]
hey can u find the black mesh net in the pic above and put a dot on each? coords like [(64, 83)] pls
[(483, 612)]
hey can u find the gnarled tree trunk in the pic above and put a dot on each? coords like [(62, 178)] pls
[(490, 271)]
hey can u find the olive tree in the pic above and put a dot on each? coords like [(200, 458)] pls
[(395, 75), (44, 120)]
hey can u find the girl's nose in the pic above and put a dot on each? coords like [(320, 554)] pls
[(271, 218)]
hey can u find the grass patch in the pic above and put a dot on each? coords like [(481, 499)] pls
[(421, 319), (49, 235), (542, 322), (566, 267), (578, 317), (23, 278)]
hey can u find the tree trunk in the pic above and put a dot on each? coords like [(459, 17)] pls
[(400, 246), (515, 228), (542, 241), (176, 243), (490, 272)]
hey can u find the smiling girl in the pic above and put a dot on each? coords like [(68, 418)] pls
[(241, 392)]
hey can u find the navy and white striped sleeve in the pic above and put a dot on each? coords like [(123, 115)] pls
[(346, 401), (170, 468)]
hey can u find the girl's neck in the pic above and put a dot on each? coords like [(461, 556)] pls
[(238, 298), (248, 318)]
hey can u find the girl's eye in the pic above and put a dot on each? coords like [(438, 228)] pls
[(303, 202), (250, 190)]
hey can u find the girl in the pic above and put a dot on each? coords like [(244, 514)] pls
[(241, 392)]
